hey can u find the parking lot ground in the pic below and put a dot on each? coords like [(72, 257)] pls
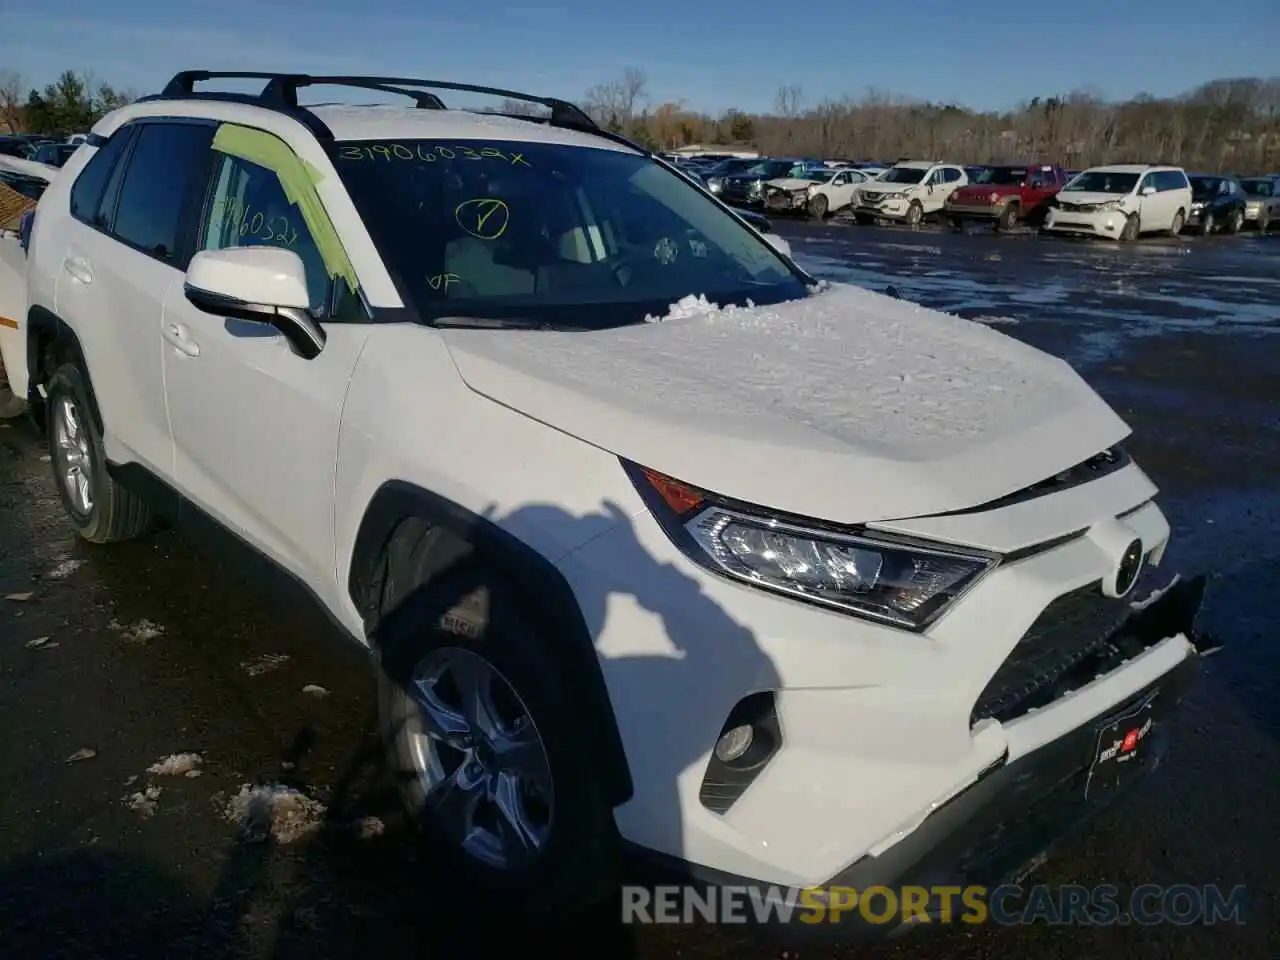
[(112, 659)]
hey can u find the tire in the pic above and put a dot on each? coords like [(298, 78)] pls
[(465, 625), (818, 208), (1008, 217), (1206, 225), (99, 508), (1179, 220), (1130, 232), (1235, 222), (915, 214), (1264, 221)]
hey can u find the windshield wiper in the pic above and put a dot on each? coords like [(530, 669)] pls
[(489, 323)]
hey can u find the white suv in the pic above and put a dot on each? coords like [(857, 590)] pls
[(1122, 202), (909, 191), (797, 582)]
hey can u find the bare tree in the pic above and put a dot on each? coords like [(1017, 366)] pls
[(788, 101), (615, 101), (11, 100)]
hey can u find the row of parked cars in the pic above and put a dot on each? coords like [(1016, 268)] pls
[(1120, 202)]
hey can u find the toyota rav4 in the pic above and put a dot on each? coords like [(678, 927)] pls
[(655, 542)]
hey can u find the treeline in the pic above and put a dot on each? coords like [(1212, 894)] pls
[(71, 104), (1225, 125)]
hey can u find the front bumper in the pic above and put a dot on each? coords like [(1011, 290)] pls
[(1108, 224), (886, 209), (1001, 827), (786, 202)]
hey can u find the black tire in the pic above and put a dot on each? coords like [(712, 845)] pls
[(1206, 224), (1179, 221), (818, 208), (1131, 229), (915, 214), (577, 866), (1264, 221), (1235, 222), (1008, 218), (113, 513)]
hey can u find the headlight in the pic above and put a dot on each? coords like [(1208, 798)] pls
[(894, 581), (714, 184)]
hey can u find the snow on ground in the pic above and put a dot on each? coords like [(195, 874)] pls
[(274, 811)]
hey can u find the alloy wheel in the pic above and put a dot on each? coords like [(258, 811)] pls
[(480, 759), (71, 455)]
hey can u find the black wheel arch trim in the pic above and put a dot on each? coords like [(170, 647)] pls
[(396, 501), (45, 327)]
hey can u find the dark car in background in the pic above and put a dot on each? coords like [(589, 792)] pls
[(54, 154), (746, 188), (1006, 195), (1217, 203)]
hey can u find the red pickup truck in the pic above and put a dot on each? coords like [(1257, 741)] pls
[(1006, 195)]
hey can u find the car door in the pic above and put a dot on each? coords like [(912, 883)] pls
[(841, 189), (120, 262), (255, 425), (1150, 205), (931, 192)]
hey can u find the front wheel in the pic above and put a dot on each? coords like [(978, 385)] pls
[(1179, 219), (1130, 231), (818, 207), (1235, 222), (492, 756), (1264, 220), (1207, 225), (1008, 218), (915, 214), (100, 509)]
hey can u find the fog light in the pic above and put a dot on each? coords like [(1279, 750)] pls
[(734, 744)]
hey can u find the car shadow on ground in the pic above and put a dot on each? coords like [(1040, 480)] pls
[(341, 893)]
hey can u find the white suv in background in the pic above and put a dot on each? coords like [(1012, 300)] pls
[(1122, 202), (654, 541), (909, 191)]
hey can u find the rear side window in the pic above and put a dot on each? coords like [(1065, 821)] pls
[(86, 193), (168, 161)]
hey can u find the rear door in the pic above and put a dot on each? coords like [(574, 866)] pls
[(123, 255)]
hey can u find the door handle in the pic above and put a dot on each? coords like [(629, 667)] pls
[(78, 268), (180, 338)]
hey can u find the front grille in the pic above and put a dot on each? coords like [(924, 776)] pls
[(1068, 645)]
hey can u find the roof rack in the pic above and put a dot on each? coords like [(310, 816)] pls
[(281, 95)]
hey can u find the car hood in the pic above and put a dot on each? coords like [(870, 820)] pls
[(847, 406), (29, 168), (983, 190), (1086, 196), (794, 183)]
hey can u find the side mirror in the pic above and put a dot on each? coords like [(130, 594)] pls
[(779, 244), (1148, 190), (259, 284)]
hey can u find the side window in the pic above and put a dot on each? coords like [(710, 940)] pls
[(248, 208), (841, 180), (951, 175), (1148, 181), (167, 162), (91, 186)]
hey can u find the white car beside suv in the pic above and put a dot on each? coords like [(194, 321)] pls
[(1122, 202), (654, 541), (819, 193), (909, 191)]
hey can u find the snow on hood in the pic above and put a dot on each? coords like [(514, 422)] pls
[(848, 405)]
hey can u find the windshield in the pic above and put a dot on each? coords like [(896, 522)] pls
[(546, 234), (1259, 188), (727, 168), (1098, 181), (772, 168), (1204, 187), (904, 175), (1002, 176)]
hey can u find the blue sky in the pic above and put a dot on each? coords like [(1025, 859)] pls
[(713, 56)]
